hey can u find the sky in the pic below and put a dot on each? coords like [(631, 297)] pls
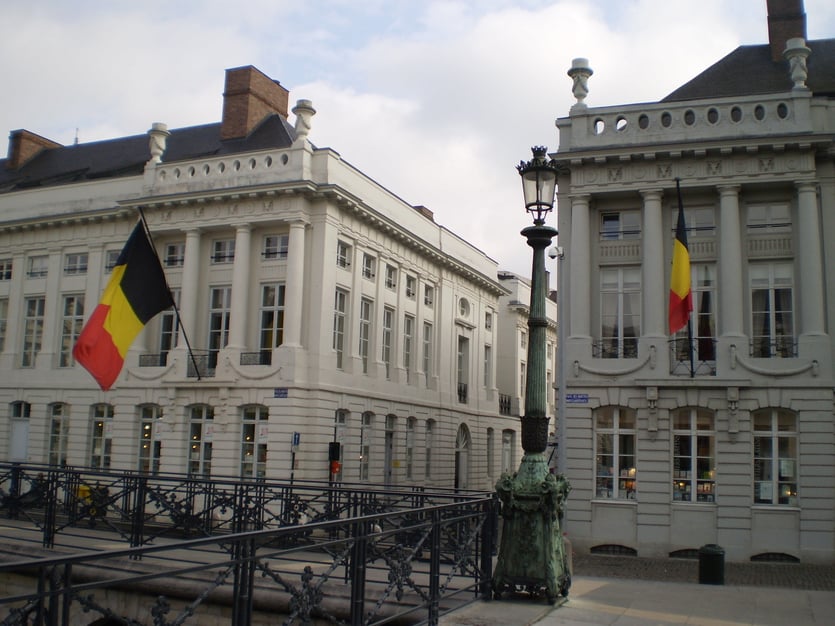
[(436, 100)]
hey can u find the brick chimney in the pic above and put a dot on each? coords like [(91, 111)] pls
[(24, 146), (249, 96), (786, 20)]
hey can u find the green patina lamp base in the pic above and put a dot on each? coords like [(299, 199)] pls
[(532, 555)]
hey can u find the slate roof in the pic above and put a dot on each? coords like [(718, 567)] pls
[(126, 156), (749, 70)]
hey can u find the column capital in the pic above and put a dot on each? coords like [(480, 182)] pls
[(727, 190), (651, 193), (806, 185)]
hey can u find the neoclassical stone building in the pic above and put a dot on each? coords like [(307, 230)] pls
[(319, 306), (739, 448)]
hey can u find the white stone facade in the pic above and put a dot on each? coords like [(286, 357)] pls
[(245, 239), (741, 453)]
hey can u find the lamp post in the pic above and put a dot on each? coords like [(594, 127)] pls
[(532, 553)]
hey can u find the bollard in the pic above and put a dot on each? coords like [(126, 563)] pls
[(711, 565)]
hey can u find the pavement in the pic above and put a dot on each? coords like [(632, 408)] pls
[(633, 591)]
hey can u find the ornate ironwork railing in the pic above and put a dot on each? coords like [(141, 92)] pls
[(504, 404), (159, 359), (703, 350), (410, 561), (262, 357)]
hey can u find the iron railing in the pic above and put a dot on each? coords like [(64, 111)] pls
[(409, 561), (703, 350)]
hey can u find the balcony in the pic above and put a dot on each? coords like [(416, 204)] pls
[(262, 357), (462, 393), (504, 404), (202, 365), (704, 356), (153, 360)]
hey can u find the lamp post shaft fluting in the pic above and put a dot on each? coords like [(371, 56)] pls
[(535, 420)]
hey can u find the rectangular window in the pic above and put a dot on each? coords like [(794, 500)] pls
[(508, 451), (410, 447), (75, 264), (411, 287), (343, 254), (175, 254), (523, 340), (272, 316), (72, 321), (254, 420), (33, 321), (463, 367), (772, 311), (5, 269), (4, 316), (150, 441), (365, 445), (201, 434), (427, 351), (369, 264), (59, 434), (769, 219), (620, 225), (36, 266), (616, 474), (775, 457), (366, 307), (110, 259), (408, 341), (220, 307), (388, 332), (169, 326), (391, 277), (101, 436), (694, 456), (428, 295), (428, 444), (339, 310), (620, 312), (488, 321), (488, 366), (698, 222), (223, 251), (523, 378), (490, 453), (276, 246), (703, 284)]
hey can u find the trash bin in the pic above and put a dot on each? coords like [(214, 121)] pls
[(711, 565)]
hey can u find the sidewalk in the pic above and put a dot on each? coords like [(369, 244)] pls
[(634, 591), (613, 602)]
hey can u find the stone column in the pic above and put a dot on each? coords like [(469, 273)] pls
[(654, 307), (240, 288), (580, 302), (294, 287), (810, 261), (188, 289), (730, 263)]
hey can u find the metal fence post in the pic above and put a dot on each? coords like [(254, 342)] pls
[(358, 555), (435, 569)]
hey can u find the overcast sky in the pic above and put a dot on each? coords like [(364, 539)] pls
[(436, 100)]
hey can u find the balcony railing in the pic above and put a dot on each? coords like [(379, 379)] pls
[(784, 347), (504, 404), (159, 359), (704, 356), (462, 393), (615, 348), (262, 357), (202, 364)]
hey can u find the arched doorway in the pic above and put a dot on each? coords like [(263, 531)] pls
[(462, 458)]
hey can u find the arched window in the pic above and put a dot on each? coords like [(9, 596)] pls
[(201, 432), (101, 435), (775, 457), (508, 451), (694, 456), (254, 435), (366, 432), (411, 424), (615, 453), (462, 457), (340, 436), (429, 443), (19, 413), (150, 439), (59, 433)]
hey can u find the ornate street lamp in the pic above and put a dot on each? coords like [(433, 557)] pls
[(532, 553)]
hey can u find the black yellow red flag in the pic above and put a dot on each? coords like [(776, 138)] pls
[(681, 295), (136, 292)]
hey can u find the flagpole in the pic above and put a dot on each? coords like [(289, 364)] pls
[(173, 302), (689, 316)]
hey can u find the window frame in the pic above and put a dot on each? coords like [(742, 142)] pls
[(617, 480)]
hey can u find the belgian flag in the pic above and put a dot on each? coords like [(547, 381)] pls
[(137, 291), (681, 295)]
